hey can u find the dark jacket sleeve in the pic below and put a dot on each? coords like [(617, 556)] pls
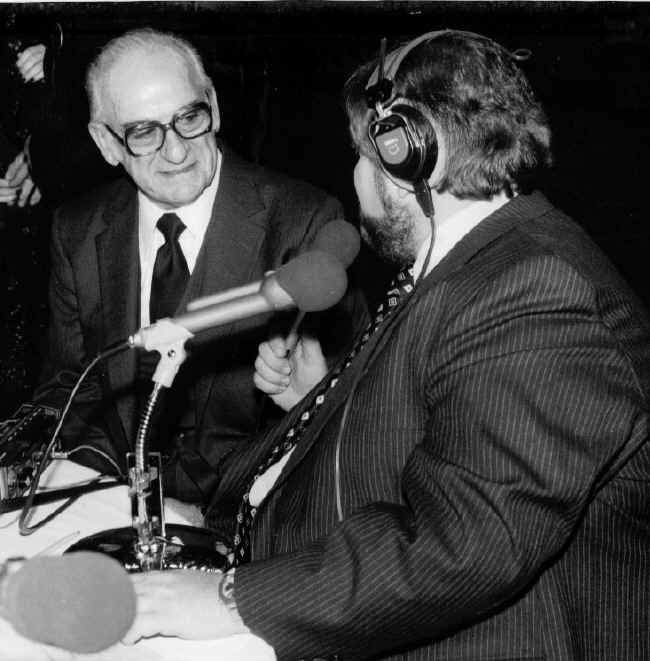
[(529, 397)]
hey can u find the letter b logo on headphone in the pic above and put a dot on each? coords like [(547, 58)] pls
[(391, 141), (407, 150)]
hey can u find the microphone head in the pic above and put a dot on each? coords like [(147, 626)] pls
[(315, 280), (338, 238), (82, 602)]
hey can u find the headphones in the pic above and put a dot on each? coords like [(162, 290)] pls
[(403, 137)]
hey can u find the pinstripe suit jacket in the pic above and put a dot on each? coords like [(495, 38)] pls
[(260, 220), (488, 494)]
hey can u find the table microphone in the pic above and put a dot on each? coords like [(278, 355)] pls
[(82, 602), (337, 238), (314, 280)]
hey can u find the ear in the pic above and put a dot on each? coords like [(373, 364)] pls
[(441, 160), (111, 150), (216, 116)]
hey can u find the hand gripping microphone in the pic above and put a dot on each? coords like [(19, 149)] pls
[(82, 602)]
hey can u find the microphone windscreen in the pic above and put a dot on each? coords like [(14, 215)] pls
[(338, 238), (81, 602), (315, 280)]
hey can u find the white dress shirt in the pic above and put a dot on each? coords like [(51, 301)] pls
[(453, 229), (196, 218)]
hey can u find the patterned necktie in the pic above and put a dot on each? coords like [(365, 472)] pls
[(401, 286), (170, 272)]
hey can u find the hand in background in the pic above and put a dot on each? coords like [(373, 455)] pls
[(30, 63), (17, 186), (287, 379), (181, 603)]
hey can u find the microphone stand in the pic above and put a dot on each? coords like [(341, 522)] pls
[(314, 280), (149, 543), (145, 478)]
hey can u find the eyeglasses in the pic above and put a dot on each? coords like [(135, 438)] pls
[(146, 138)]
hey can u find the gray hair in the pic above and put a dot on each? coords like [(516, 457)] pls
[(145, 40)]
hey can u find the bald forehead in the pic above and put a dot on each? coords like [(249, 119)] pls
[(140, 73)]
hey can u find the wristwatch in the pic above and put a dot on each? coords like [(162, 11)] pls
[(227, 589)]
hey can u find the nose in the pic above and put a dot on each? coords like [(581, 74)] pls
[(174, 147)]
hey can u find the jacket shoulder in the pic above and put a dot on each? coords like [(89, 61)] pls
[(274, 187), (294, 188), (96, 198)]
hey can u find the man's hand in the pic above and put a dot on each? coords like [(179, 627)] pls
[(287, 379), (30, 63), (17, 187), (181, 603)]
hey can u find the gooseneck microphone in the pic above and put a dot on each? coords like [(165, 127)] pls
[(82, 602), (338, 238), (312, 281)]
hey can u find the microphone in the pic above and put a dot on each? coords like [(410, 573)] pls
[(312, 281), (340, 239), (82, 602), (337, 238)]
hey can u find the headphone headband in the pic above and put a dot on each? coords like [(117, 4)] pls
[(392, 63)]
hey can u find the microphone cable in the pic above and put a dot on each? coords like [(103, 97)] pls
[(23, 521)]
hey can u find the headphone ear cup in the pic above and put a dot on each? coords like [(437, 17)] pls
[(405, 142)]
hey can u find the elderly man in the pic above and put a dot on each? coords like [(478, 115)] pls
[(471, 482), (192, 219)]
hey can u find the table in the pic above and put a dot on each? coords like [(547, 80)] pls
[(102, 510)]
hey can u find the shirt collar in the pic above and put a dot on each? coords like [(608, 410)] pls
[(453, 229)]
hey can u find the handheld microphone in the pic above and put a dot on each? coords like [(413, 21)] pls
[(82, 602), (313, 281), (337, 238), (340, 239)]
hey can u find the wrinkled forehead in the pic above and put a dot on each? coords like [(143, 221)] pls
[(151, 85)]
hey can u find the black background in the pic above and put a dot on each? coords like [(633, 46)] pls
[(279, 68)]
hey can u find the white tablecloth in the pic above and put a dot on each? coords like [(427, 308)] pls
[(92, 513)]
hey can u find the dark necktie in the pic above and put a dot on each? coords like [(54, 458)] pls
[(170, 272), (399, 288)]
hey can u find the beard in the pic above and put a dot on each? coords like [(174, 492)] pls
[(391, 236)]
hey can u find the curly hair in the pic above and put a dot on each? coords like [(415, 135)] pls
[(495, 131)]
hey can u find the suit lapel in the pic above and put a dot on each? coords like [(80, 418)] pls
[(515, 213), (230, 254), (337, 397), (119, 280), (493, 227)]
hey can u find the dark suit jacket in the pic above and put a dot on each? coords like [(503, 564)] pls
[(260, 220), (492, 475)]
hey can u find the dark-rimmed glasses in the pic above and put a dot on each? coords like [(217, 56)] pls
[(145, 138)]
